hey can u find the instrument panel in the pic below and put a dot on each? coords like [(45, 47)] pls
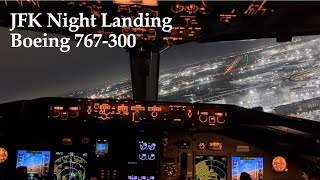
[(147, 158), (106, 111), (123, 139)]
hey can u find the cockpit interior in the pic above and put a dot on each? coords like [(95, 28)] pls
[(181, 137)]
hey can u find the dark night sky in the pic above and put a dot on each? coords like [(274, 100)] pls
[(31, 73)]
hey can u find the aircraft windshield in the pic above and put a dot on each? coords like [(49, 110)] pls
[(282, 78)]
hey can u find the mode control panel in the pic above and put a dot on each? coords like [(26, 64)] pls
[(103, 111)]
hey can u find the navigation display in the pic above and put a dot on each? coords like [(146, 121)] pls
[(211, 167), (250, 165), (70, 165), (37, 162), (102, 148)]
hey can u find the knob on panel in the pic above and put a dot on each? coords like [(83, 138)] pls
[(203, 118), (74, 114), (55, 113), (169, 170), (201, 145)]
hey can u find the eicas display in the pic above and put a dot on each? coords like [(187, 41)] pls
[(211, 167), (36, 162), (147, 151), (70, 165)]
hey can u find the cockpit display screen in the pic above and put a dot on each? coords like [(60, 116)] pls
[(250, 165), (143, 155), (70, 165), (36, 162), (147, 153), (102, 148), (211, 167)]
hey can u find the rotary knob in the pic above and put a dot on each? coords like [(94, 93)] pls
[(177, 8), (169, 170), (74, 114), (154, 114), (55, 113), (203, 118), (201, 145)]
